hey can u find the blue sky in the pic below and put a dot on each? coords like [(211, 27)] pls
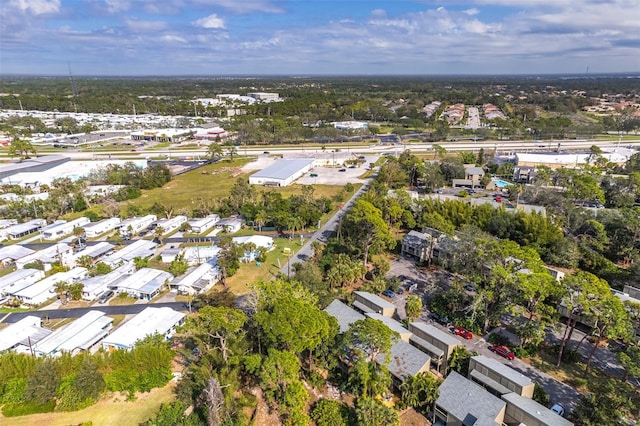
[(311, 37)]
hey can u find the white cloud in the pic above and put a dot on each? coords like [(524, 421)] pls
[(140, 26), (212, 21), (471, 12), (36, 7), (243, 6)]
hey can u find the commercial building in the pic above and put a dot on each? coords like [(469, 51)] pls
[(134, 225), (198, 280), (37, 164), (282, 172), (143, 284), (555, 160), (43, 290), (149, 322), (143, 249), (19, 279), (22, 335), (162, 135), (264, 96), (77, 336), (95, 229), (63, 229), (368, 302), (436, 343)]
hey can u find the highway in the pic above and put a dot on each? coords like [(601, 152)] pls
[(498, 146)]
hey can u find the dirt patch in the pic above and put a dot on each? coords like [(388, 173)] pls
[(263, 415), (411, 417)]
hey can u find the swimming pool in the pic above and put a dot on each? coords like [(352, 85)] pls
[(500, 183)]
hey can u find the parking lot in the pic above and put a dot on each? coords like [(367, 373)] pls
[(428, 284)]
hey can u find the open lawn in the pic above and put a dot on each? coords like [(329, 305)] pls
[(213, 181), (251, 272), (109, 411)]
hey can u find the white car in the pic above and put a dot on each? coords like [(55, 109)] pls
[(558, 409)]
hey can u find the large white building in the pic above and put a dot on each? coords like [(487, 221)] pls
[(282, 172), (149, 322)]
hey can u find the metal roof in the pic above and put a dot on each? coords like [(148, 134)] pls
[(282, 169), (464, 400), (503, 370), (14, 252), (72, 335), (432, 331), (376, 300), (28, 328), (148, 322), (542, 414)]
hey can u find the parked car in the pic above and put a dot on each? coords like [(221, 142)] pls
[(558, 409), (389, 293), (462, 332), (104, 297), (440, 319), (401, 290), (342, 170), (503, 351)]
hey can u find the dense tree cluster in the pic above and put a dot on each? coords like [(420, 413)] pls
[(68, 383)]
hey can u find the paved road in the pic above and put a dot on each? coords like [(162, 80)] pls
[(306, 252), (78, 312)]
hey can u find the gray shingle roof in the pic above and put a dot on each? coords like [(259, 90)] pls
[(466, 401), (377, 300), (343, 313), (405, 360)]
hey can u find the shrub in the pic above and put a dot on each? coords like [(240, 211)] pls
[(24, 409), (498, 339), (540, 395)]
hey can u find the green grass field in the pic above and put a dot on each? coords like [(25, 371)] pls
[(112, 411)]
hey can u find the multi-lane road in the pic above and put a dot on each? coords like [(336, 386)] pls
[(498, 146)]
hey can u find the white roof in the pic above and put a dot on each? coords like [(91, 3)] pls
[(282, 169), (145, 280), (617, 155), (258, 240), (14, 252), (139, 248), (28, 328), (194, 276), (48, 283), (76, 335), (101, 223), (94, 250), (49, 254), (148, 322), (21, 274)]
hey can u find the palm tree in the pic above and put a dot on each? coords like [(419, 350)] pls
[(61, 289), (158, 233), (420, 391), (214, 151), (231, 151), (260, 219)]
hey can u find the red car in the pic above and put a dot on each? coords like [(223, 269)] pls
[(502, 351), (462, 332)]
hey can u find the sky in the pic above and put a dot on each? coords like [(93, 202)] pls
[(318, 37)]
